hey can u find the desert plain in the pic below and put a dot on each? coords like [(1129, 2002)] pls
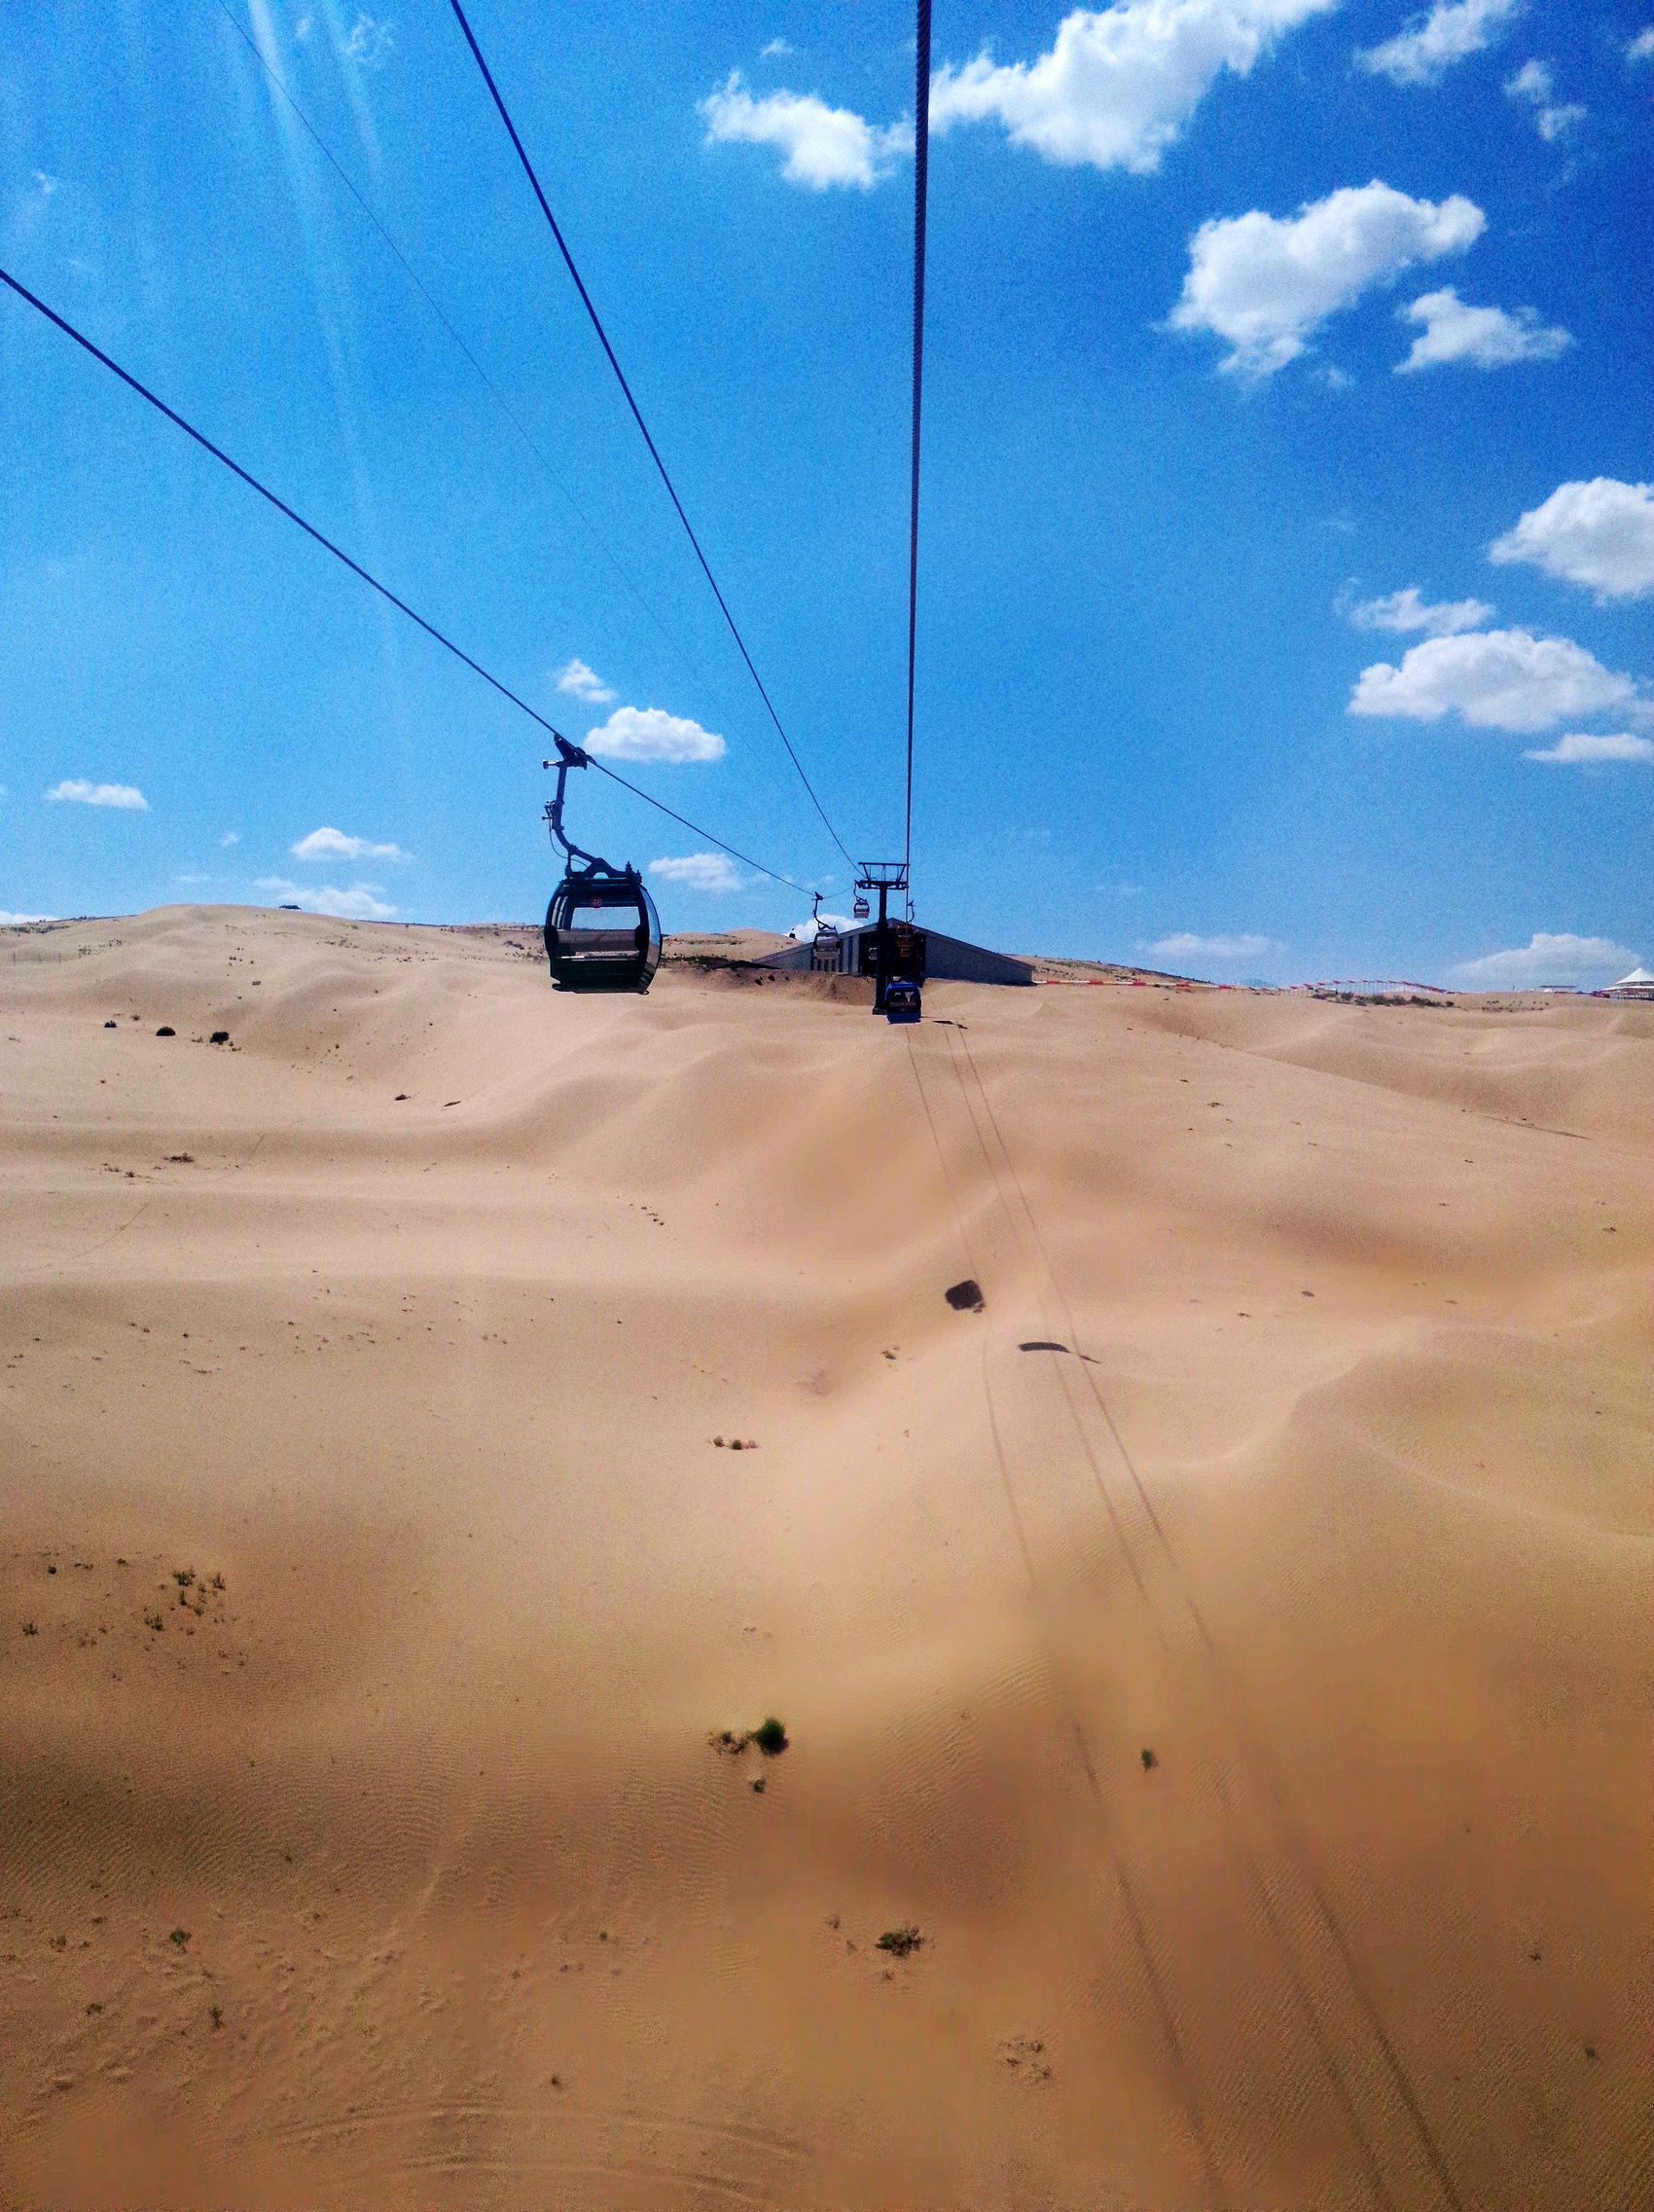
[(1220, 1661)]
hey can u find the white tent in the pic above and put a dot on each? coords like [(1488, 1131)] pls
[(1639, 984)]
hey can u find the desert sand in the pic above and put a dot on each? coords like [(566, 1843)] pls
[(1229, 1649)]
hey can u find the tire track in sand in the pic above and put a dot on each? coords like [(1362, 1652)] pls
[(1137, 1944), (1323, 1995)]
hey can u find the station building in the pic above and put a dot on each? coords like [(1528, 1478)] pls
[(940, 959)]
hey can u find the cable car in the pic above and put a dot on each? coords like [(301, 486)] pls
[(602, 932), (902, 1002), (826, 932), (861, 910)]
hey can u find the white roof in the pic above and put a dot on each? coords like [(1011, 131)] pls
[(1637, 976)]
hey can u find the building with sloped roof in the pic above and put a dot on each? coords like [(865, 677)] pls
[(940, 959), (1639, 984)]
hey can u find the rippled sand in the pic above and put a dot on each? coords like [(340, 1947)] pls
[(1229, 1649)]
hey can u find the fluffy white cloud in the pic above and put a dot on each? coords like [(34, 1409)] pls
[(650, 733), (699, 872), (84, 794), (1600, 534), (804, 930), (19, 920), (823, 145), (1561, 958), (1496, 679), (369, 43), (1451, 32), (1119, 83), (360, 903), (230, 837), (1532, 84), (333, 844), (1484, 337), (775, 48), (1642, 47), (1267, 283), (1580, 749), (584, 682), (1405, 610), (1186, 945)]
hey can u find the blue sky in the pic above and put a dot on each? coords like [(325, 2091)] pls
[(1287, 540)]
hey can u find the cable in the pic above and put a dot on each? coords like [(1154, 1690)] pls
[(419, 286), (637, 418), (922, 185), (355, 566), (661, 807)]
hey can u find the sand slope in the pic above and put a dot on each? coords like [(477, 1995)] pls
[(400, 1867)]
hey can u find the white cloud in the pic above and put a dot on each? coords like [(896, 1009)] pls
[(699, 872), (333, 844), (1580, 749), (1119, 83), (1561, 958), (1496, 679), (230, 837), (360, 903), (823, 145), (584, 682), (1485, 337), (19, 920), (1405, 610), (85, 794), (649, 733), (1532, 84), (1266, 283), (1451, 32), (303, 28), (803, 932), (1600, 534), (44, 185), (1186, 945), (1642, 47), (776, 46), (370, 43)]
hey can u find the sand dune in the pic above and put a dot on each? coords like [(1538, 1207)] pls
[(1228, 1649)]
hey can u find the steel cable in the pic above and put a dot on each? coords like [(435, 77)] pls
[(355, 566), (418, 281), (922, 184), (637, 418)]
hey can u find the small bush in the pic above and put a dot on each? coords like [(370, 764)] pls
[(771, 1737), (901, 1942)]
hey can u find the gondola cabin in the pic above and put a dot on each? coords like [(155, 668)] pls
[(602, 932)]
